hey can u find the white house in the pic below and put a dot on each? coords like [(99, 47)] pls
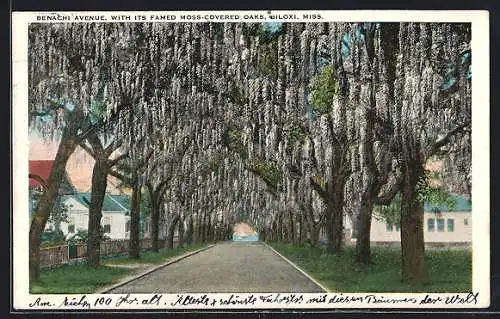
[(441, 225), (115, 215)]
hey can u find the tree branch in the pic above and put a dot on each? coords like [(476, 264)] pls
[(121, 177), (113, 146), (39, 180), (86, 148), (386, 197), (115, 161), (319, 189), (446, 139)]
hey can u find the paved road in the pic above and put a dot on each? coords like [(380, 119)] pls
[(226, 267)]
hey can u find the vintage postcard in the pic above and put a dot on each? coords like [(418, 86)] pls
[(209, 160)]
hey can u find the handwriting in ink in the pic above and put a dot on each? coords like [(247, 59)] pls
[(235, 300), (155, 300), (457, 299), (185, 300), (39, 302), (384, 300), (428, 300), (279, 298), (126, 300), (74, 302)]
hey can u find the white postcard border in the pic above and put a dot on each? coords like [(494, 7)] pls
[(480, 166)]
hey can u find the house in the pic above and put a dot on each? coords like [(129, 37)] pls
[(39, 171), (441, 225), (115, 215)]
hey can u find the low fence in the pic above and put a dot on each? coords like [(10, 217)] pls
[(64, 254)]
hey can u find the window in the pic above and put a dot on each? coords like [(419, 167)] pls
[(440, 224), (451, 224), (396, 227), (466, 221), (127, 226), (107, 224), (388, 226), (431, 224)]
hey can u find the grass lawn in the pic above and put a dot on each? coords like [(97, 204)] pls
[(449, 270), (149, 257), (78, 278)]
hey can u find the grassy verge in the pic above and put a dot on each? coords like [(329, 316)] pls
[(149, 257), (79, 278), (449, 270)]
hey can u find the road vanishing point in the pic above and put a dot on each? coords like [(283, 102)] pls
[(224, 268)]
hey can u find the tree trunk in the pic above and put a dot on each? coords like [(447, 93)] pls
[(280, 227), (135, 215), (66, 147), (412, 231), (95, 231), (363, 253), (335, 198), (189, 232), (209, 228), (170, 233), (291, 237), (301, 229), (203, 228), (181, 230), (155, 221), (314, 230), (335, 215)]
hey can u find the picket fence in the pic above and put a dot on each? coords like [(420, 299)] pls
[(63, 254)]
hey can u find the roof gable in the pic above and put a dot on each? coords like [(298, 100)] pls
[(42, 169), (110, 203)]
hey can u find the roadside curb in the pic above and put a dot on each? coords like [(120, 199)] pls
[(298, 268), (134, 277)]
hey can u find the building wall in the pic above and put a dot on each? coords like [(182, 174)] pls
[(78, 216), (462, 229)]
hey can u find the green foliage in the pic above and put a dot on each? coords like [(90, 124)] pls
[(433, 194), (268, 47), (449, 270), (214, 163), (390, 213), (268, 60), (234, 138), (52, 238), (76, 279), (83, 279), (150, 257), (426, 193), (96, 111), (59, 213), (237, 97), (145, 204), (295, 133), (323, 89), (265, 35), (270, 173), (81, 236), (319, 180)]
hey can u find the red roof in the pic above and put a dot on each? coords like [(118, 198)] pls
[(40, 168)]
